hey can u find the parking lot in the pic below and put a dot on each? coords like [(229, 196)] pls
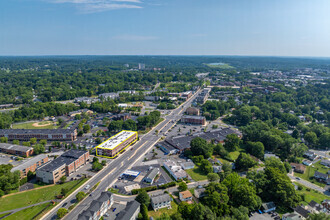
[(10, 159), (184, 129)]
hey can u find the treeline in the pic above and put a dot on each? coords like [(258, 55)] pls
[(34, 111), (143, 122)]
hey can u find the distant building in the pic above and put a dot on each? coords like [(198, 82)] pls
[(151, 175), (31, 165), (64, 165), (268, 207), (167, 148), (307, 162), (186, 95), (176, 171), (122, 116), (48, 134), (131, 211), (142, 66), (192, 111), (321, 177), (86, 100), (161, 201), (310, 155), (185, 196), (98, 207), (18, 150), (291, 216), (193, 119)]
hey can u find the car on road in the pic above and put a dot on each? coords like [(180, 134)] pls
[(298, 178), (64, 204), (87, 187)]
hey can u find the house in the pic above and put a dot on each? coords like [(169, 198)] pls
[(270, 155), (98, 207), (310, 155), (291, 216), (321, 177), (199, 193), (268, 207), (325, 163), (161, 201), (14, 149), (307, 162), (317, 207), (176, 171), (151, 175), (130, 212), (298, 168), (302, 211), (187, 165), (216, 169), (326, 204), (185, 196)]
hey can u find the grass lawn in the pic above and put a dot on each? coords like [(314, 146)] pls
[(196, 174), (161, 211), (68, 124), (1, 215), (309, 173), (28, 213), (29, 125), (311, 195), (38, 195)]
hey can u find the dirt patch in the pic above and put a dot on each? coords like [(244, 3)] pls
[(42, 125)]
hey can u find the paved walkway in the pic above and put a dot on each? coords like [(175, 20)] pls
[(19, 209), (308, 184)]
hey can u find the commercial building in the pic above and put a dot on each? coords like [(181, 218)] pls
[(185, 196), (192, 111), (167, 148), (47, 134), (183, 142), (176, 171), (193, 119), (31, 165), (98, 207), (64, 165), (131, 211), (161, 201), (18, 150), (186, 95), (116, 144), (151, 175)]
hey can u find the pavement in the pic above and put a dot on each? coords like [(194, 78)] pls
[(108, 175), (309, 184)]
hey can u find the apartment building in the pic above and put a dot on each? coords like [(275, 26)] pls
[(17, 150), (47, 134), (31, 164)]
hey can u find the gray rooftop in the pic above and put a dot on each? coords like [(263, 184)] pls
[(30, 162), (95, 205), (14, 147), (35, 131), (193, 117), (128, 212), (160, 198), (152, 173)]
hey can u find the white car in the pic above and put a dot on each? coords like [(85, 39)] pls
[(87, 187)]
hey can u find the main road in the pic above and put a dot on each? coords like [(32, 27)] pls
[(108, 175)]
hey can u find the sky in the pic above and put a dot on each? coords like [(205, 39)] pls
[(165, 27)]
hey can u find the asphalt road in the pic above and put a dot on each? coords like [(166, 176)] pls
[(108, 175), (308, 184)]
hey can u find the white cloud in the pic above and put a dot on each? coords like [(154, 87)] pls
[(134, 38), (92, 6)]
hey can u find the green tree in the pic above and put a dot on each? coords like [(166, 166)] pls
[(182, 186), (311, 138), (143, 198), (130, 124), (318, 216), (232, 142), (213, 177), (4, 140), (244, 162), (256, 149), (33, 140), (96, 166), (61, 212), (206, 166), (16, 142), (275, 163), (144, 212), (43, 142), (199, 146), (64, 191), (63, 179), (86, 128), (216, 198), (240, 213), (80, 196), (324, 140)]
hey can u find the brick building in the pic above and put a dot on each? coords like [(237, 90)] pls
[(31, 165), (192, 119), (192, 111), (66, 164), (18, 150), (47, 134)]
